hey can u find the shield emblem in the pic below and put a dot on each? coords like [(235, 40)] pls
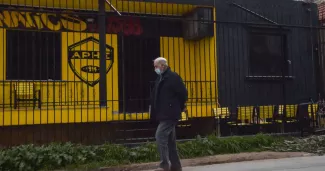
[(84, 60)]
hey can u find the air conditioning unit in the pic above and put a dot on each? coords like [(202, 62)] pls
[(198, 24)]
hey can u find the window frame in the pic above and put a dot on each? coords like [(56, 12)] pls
[(269, 31), (57, 64)]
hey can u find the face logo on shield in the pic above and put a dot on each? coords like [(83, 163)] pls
[(84, 60)]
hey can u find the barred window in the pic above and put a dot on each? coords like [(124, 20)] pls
[(267, 54), (33, 55)]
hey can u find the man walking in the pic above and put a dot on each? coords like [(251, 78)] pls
[(167, 103)]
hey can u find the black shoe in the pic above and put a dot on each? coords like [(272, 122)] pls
[(175, 169), (162, 169)]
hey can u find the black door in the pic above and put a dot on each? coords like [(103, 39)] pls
[(137, 58)]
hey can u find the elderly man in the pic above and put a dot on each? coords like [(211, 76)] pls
[(167, 103)]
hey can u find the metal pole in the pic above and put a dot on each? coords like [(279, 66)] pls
[(284, 73), (122, 55), (109, 3), (254, 13), (123, 72), (102, 53)]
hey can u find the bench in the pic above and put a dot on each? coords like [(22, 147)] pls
[(26, 92)]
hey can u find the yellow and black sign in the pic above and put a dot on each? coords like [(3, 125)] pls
[(41, 21), (67, 21), (84, 60)]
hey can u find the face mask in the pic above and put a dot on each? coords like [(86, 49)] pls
[(157, 70)]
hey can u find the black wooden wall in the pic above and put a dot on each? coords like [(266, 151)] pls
[(235, 88)]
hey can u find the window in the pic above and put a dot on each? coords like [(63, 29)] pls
[(267, 54), (33, 55)]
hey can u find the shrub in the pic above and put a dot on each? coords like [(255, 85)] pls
[(213, 145), (56, 156)]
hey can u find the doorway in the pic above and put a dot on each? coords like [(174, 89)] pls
[(138, 54)]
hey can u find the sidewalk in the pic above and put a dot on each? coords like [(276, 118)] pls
[(313, 163), (228, 158)]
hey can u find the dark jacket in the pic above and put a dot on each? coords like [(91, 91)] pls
[(168, 97)]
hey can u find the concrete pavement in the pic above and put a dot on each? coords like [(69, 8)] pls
[(315, 163), (209, 160)]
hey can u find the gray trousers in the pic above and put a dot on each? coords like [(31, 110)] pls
[(166, 142)]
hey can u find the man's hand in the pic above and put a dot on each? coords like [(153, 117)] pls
[(185, 109)]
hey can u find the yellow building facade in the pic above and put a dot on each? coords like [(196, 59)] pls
[(74, 98)]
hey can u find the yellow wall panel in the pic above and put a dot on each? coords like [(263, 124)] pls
[(121, 5), (51, 116), (3, 91), (205, 68), (195, 62), (180, 55), (2, 54)]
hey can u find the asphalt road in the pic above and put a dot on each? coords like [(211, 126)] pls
[(315, 163)]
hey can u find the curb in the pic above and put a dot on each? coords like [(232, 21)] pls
[(219, 159)]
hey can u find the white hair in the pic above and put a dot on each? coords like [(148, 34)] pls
[(161, 60)]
